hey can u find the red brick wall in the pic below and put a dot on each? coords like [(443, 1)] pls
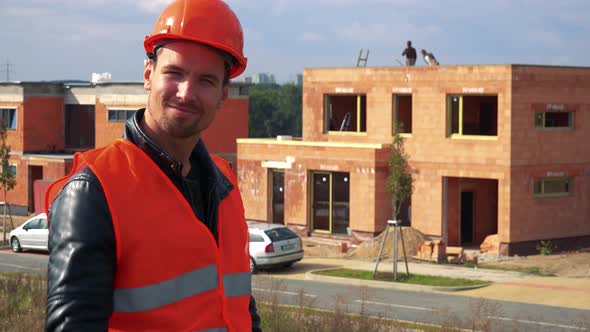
[(14, 138), (551, 217), (253, 184), (106, 132), (43, 124), (19, 195), (453, 212), (533, 89), (51, 170), (368, 205), (536, 153), (296, 180), (230, 123)]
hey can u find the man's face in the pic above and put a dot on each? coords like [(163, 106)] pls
[(186, 90)]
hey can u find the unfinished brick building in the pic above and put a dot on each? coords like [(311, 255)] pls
[(494, 149), (48, 122)]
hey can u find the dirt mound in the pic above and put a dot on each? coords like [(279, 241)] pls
[(571, 265), (370, 249)]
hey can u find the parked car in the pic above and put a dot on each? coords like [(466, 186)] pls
[(273, 245), (32, 234)]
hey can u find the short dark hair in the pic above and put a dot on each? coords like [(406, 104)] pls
[(228, 60)]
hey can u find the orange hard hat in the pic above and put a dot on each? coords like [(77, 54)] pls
[(209, 22)]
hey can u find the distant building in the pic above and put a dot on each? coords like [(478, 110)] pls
[(101, 77), (261, 78), (299, 80), (49, 121)]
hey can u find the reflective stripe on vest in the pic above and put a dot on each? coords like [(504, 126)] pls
[(221, 329), (176, 289), (237, 284)]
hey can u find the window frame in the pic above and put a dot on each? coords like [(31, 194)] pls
[(460, 135), (15, 172), (12, 166), (311, 206), (117, 112), (571, 120), (328, 111), (396, 110), (541, 181), (15, 120)]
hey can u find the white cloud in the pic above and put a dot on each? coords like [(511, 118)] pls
[(367, 32), (311, 37), (152, 6)]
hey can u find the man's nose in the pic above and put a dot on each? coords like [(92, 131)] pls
[(186, 90)]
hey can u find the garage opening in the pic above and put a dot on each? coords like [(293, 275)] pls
[(35, 173), (472, 210)]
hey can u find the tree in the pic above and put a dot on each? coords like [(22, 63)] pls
[(7, 179), (399, 185), (275, 110), (399, 180)]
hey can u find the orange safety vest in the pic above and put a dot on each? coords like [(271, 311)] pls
[(171, 275)]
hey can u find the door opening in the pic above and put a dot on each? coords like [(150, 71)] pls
[(466, 217)]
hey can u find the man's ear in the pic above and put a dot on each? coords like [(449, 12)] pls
[(148, 70), (224, 94)]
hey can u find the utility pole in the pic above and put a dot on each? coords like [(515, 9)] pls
[(6, 70)]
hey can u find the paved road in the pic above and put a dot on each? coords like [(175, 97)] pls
[(25, 262), (414, 306), (431, 308)]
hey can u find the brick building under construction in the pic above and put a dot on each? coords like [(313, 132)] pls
[(494, 149)]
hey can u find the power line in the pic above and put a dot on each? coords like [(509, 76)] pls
[(6, 69)]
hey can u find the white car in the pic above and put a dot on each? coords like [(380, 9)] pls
[(273, 245), (32, 234)]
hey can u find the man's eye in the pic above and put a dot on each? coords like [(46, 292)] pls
[(208, 81)]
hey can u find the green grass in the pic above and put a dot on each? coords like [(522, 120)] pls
[(527, 270), (416, 279), (22, 302), (284, 318)]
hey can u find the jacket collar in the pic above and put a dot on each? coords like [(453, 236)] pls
[(169, 165)]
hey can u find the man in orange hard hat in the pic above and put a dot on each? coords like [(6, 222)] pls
[(148, 233)]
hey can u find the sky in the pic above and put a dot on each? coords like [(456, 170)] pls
[(71, 39)]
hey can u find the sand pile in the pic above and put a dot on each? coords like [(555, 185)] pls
[(370, 249)]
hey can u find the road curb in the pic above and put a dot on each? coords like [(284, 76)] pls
[(312, 275)]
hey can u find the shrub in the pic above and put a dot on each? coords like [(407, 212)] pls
[(545, 248)]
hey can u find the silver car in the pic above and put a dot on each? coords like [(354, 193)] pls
[(273, 245), (32, 234)]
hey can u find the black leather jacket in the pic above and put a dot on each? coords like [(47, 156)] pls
[(82, 250)]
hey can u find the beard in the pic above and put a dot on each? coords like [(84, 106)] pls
[(178, 127)]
